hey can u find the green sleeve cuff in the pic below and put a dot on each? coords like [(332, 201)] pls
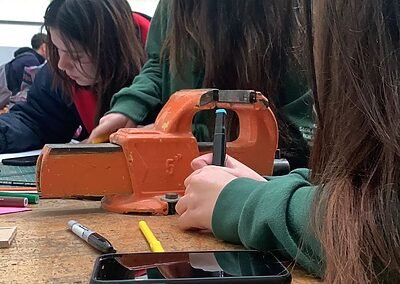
[(141, 101), (229, 203), (129, 107), (232, 200), (272, 215)]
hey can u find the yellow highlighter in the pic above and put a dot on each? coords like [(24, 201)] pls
[(154, 244), (101, 139)]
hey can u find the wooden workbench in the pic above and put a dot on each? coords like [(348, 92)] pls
[(45, 251)]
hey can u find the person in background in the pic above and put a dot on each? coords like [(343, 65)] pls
[(25, 57), (341, 221), (39, 46), (11, 73), (95, 48), (26, 54), (216, 44)]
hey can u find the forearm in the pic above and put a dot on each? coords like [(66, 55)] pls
[(269, 215), (44, 118), (142, 98), (142, 101)]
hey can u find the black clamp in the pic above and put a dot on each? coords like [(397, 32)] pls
[(281, 165), (171, 198)]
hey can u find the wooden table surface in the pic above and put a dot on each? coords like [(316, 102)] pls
[(45, 251)]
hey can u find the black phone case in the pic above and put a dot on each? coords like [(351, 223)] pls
[(21, 161), (269, 279)]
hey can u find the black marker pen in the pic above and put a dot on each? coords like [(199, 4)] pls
[(219, 147), (94, 239)]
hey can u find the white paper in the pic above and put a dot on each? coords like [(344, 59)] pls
[(20, 154)]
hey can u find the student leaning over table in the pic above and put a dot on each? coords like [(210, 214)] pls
[(95, 47), (351, 221), (224, 44)]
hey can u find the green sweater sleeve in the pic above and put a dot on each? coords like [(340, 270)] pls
[(143, 97), (272, 215)]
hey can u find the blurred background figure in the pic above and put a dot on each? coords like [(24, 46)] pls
[(39, 46), (11, 73), (25, 57)]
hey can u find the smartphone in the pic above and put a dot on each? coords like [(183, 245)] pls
[(242, 266), (21, 161)]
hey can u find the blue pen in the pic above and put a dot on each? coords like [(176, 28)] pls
[(219, 144)]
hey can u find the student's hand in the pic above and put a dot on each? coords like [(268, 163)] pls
[(148, 126), (108, 124), (202, 190), (232, 165)]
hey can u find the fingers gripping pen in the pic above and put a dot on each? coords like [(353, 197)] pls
[(219, 145)]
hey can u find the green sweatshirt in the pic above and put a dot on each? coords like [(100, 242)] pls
[(151, 89), (272, 215)]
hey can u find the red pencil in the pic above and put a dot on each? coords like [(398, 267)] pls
[(13, 201), (18, 189)]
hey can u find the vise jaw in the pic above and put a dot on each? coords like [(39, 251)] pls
[(141, 165)]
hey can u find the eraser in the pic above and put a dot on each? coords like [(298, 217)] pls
[(7, 235)]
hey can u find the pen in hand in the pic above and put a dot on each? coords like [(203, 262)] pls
[(94, 239), (219, 144)]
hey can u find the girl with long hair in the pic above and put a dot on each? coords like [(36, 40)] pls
[(346, 228), (95, 48)]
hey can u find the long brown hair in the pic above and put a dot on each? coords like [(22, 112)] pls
[(106, 31), (252, 44), (356, 150)]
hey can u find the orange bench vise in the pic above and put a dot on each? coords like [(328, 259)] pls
[(141, 165)]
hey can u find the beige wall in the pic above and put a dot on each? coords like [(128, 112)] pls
[(144, 6)]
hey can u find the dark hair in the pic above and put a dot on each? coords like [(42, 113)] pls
[(356, 151), (106, 31), (37, 40), (242, 45)]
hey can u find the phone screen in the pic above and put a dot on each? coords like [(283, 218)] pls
[(231, 266)]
